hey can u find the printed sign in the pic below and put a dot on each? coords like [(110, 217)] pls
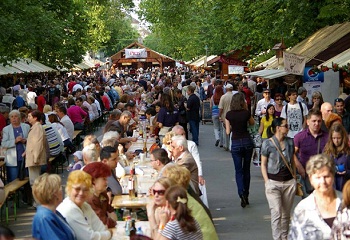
[(233, 69), (294, 64), (136, 53), (311, 76)]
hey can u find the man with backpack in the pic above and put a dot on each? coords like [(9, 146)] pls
[(295, 113)]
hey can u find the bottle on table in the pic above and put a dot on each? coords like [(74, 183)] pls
[(127, 227), (132, 228), (132, 183)]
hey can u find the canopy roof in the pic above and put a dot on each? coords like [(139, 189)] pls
[(341, 59), (200, 62), (269, 73), (24, 65), (322, 45)]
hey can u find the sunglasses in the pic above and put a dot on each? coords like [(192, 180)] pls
[(338, 100), (160, 192)]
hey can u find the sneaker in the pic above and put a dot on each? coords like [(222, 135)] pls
[(243, 202), (217, 143)]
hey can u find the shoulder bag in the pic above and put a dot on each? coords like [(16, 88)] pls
[(299, 189)]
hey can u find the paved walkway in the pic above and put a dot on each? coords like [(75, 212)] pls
[(231, 221)]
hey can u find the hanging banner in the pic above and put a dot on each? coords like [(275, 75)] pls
[(294, 64), (311, 76), (231, 61), (136, 53), (234, 69)]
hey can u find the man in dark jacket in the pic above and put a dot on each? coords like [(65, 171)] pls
[(193, 105)]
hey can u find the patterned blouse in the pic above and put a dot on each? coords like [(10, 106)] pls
[(307, 222)]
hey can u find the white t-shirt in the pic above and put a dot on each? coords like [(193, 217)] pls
[(294, 117)]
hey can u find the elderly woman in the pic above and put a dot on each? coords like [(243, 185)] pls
[(78, 213), (99, 199), (313, 217), (157, 202), (47, 223), (13, 140), (36, 146)]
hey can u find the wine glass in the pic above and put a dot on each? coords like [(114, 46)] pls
[(126, 214), (124, 184)]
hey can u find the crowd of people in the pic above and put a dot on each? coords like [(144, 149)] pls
[(299, 142)]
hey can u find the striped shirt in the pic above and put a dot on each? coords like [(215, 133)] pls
[(173, 231), (52, 139)]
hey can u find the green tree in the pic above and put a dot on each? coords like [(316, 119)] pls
[(184, 27)]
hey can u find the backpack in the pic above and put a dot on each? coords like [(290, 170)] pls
[(302, 112)]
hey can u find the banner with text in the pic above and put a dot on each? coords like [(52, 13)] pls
[(136, 53), (294, 64), (234, 69)]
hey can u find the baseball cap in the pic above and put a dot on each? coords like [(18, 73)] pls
[(229, 86), (266, 90)]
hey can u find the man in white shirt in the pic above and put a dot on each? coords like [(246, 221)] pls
[(262, 103), (295, 113), (193, 149), (66, 121), (302, 92)]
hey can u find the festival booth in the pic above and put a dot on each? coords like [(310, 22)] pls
[(137, 56), (313, 55), (228, 65)]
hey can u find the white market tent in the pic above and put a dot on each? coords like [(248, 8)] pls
[(24, 65), (269, 73), (341, 59)]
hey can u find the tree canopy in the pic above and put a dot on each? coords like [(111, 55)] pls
[(182, 28), (59, 32)]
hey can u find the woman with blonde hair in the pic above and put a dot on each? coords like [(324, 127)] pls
[(78, 213), (317, 100), (47, 222), (158, 201)]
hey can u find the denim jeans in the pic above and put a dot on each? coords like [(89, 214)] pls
[(242, 150), (12, 172), (217, 129), (194, 126)]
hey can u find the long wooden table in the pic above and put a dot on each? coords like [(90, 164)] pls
[(124, 201), (139, 144)]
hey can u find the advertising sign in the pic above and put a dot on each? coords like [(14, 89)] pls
[(311, 76), (136, 53)]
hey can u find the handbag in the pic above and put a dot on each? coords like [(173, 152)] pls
[(299, 189), (22, 170)]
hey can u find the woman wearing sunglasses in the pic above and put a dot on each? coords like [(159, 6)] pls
[(153, 208), (278, 104)]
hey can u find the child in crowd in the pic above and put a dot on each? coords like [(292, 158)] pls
[(78, 161)]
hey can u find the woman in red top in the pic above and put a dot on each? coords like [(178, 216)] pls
[(41, 101)]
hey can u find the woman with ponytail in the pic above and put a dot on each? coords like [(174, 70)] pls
[(176, 221), (278, 170)]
